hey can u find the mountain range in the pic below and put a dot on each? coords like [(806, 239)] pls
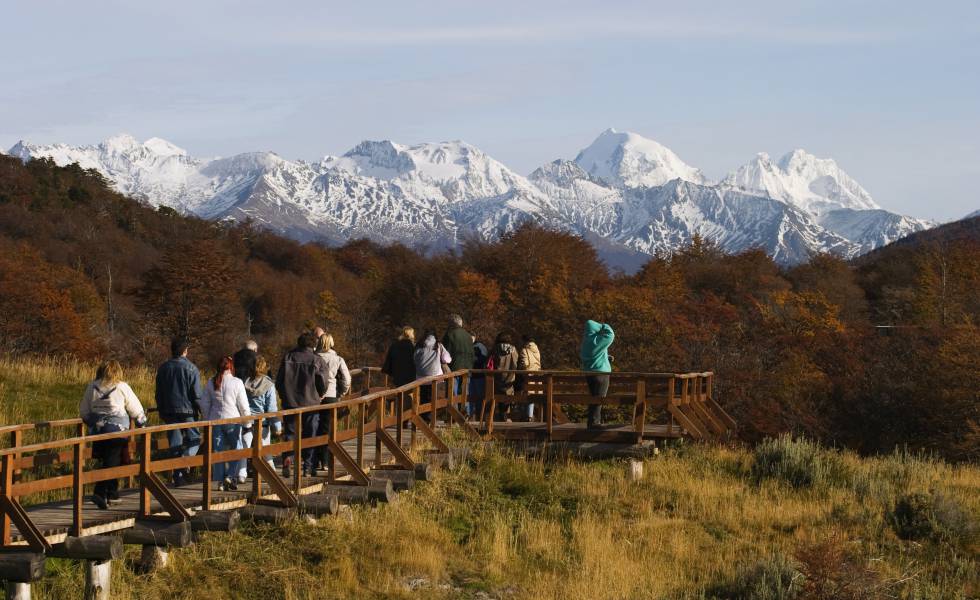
[(628, 195)]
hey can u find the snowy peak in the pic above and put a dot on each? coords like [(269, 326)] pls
[(816, 185), (628, 160)]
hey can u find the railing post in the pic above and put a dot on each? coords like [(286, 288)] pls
[(433, 403), (256, 458), (378, 428), (16, 439), (332, 468), (6, 489), (144, 472), (549, 409), (298, 453), (399, 415), (465, 392), (78, 489), (415, 410), (206, 467), (490, 402), (360, 436)]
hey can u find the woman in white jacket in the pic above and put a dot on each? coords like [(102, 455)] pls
[(225, 398), (338, 384)]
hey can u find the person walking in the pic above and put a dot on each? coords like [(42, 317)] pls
[(300, 382), (504, 359), (594, 353), (225, 398), (399, 363), (528, 359), (459, 343), (245, 359), (107, 406), (178, 398), (338, 384), (261, 392), (431, 359)]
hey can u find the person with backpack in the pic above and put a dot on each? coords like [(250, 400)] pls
[(261, 392), (431, 359), (107, 407), (300, 382), (528, 359), (225, 398), (178, 397), (504, 359), (338, 384), (459, 344), (594, 353)]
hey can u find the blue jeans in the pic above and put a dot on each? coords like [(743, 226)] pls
[(183, 442), (478, 387), (226, 437)]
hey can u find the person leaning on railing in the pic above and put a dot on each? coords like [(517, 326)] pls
[(178, 397), (595, 358), (107, 406), (225, 398)]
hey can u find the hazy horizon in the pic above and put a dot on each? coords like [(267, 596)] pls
[(888, 91)]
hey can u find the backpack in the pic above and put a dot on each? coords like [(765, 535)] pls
[(491, 362)]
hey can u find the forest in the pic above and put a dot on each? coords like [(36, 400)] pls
[(873, 354)]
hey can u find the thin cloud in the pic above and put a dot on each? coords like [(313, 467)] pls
[(551, 32)]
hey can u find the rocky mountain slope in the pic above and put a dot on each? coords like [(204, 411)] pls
[(629, 195)]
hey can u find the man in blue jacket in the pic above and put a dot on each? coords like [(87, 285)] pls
[(595, 358), (178, 396)]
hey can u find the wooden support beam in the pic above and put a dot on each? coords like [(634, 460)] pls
[(456, 415), (28, 530), (427, 431), (92, 547), (380, 490), (215, 520), (158, 533), (206, 450), (264, 513), (151, 482), (401, 479), (21, 567), (356, 473), (319, 505), (401, 457), (279, 487), (98, 579)]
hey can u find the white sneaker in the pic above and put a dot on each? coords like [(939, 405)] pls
[(241, 479)]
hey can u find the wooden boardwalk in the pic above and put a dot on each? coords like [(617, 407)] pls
[(55, 519), (377, 427)]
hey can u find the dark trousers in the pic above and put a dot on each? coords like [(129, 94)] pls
[(324, 427), (598, 388), (310, 422), (110, 454)]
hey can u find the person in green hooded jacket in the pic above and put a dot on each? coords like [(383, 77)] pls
[(459, 343), (595, 358)]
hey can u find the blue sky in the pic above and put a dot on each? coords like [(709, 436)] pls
[(890, 89)]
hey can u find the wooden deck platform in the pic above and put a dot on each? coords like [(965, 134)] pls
[(578, 432)]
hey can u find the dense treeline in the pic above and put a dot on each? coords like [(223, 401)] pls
[(87, 272)]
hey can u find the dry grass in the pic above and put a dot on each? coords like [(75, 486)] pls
[(703, 523)]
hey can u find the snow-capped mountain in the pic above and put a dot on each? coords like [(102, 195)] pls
[(626, 159), (628, 195)]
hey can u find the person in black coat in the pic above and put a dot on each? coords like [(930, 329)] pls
[(399, 364)]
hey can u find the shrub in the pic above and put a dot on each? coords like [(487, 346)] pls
[(799, 462), (772, 578), (833, 571), (933, 517)]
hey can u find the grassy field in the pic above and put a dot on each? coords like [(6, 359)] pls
[(787, 519)]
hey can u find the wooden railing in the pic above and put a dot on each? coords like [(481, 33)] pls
[(685, 399)]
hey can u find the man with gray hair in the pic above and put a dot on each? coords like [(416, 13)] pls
[(459, 343)]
